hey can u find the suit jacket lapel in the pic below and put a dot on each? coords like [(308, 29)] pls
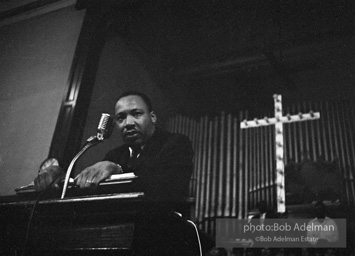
[(125, 157)]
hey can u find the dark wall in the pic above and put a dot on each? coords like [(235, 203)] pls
[(317, 72), (203, 58)]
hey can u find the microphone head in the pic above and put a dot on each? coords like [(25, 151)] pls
[(105, 127)]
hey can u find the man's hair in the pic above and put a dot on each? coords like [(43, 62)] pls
[(321, 204), (144, 97)]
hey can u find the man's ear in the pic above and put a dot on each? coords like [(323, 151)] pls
[(153, 116)]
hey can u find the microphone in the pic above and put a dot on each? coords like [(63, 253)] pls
[(104, 130)]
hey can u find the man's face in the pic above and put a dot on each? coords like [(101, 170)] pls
[(134, 121)]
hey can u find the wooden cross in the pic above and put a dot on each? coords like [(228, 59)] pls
[(278, 120)]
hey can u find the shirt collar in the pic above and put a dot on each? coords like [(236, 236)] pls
[(156, 133), (131, 151)]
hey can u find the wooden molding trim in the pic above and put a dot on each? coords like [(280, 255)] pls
[(16, 11)]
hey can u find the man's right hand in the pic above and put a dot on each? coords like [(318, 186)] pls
[(93, 175), (49, 177)]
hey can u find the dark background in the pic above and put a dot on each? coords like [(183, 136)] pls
[(232, 55)]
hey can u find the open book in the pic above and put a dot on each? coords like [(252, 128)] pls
[(120, 178)]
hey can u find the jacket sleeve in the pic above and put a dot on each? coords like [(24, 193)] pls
[(119, 156), (166, 177)]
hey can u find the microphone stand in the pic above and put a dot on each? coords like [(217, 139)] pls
[(92, 141)]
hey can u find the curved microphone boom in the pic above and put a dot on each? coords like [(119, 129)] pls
[(104, 131)]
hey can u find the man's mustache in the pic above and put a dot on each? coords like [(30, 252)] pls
[(131, 132)]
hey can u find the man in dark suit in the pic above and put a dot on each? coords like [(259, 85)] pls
[(163, 163), (161, 160)]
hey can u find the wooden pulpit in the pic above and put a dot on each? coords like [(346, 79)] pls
[(77, 225)]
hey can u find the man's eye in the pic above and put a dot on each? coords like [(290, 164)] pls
[(137, 114), (120, 119)]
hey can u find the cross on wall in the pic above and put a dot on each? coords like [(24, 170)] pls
[(278, 121)]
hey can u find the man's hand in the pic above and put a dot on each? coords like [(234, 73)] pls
[(49, 177), (92, 175)]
